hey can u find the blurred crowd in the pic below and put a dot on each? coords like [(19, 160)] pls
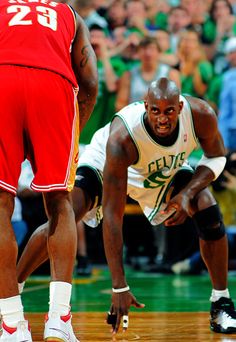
[(136, 41)]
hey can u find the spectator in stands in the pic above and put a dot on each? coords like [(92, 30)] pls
[(134, 83), (233, 4), (116, 15), (110, 70), (157, 14), (221, 26), (195, 70), (227, 102), (167, 56), (178, 20), (136, 17), (198, 16), (87, 10)]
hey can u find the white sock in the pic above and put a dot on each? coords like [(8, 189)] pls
[(21, 287), (217, 294), (12, 310), (60, 295)]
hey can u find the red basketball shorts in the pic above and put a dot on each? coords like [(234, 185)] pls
[(39, 121)]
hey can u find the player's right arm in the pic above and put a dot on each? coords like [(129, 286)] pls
[(120, 153), (84, 64), (208, 168)]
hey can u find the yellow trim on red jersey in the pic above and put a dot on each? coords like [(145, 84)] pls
[(75, 148)]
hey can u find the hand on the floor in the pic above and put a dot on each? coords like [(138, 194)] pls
[(118, 313)]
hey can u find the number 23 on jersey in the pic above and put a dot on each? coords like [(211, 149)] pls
[(45, 16)]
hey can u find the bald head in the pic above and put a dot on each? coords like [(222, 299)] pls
[(163, 88)]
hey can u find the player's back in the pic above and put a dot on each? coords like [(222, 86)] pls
[(37, 33)]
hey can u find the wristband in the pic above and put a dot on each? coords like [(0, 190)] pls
[(216, 164), (123, 289)]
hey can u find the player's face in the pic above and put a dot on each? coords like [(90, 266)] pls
[(162, 115)]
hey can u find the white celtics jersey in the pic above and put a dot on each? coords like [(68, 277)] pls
[(94, 154), (149, 178)]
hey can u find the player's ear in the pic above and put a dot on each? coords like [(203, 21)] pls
[(181, 104), (146, 105)]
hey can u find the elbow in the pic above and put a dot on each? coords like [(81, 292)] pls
[(90, 87)]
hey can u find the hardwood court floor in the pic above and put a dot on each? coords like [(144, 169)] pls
[(177, 307), (162, 327)]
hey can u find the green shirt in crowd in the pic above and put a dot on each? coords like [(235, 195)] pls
[(105, 105)]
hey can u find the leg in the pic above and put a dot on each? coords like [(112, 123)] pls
[(8, 247), (83, 267), (81, 247), (214, 251), (215, 256), (62, 239), (35, 252), (10, 302), (62, 244)]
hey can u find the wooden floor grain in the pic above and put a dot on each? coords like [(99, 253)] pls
[(161, 327)]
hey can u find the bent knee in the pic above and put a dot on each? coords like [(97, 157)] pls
[(204, 199), (209, 223)]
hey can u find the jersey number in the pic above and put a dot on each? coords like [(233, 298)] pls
[(46, 16)]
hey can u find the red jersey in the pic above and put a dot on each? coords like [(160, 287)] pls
[(39, 34)]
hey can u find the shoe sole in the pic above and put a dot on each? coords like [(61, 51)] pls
[(218, 329)]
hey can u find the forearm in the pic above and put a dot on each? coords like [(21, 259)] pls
[(86, 102), (113, 245), (199, 86), (170, 59), (201, 179)]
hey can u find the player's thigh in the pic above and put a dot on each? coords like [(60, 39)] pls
[(53, 132), (11, 126)]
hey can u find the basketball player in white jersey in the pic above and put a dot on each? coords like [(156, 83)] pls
[(146, 157)]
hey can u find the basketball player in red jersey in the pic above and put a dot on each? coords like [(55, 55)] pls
[(45, 53)]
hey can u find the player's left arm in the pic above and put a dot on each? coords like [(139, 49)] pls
[(84, 64), (209, 167), (213, 161)]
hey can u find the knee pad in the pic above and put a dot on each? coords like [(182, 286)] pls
[(209, 223)]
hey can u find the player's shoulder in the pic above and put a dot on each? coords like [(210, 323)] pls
[(132, 108), (204, 116), (200, 107)]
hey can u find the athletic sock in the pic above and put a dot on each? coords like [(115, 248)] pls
[(12, 310), (21, 287), (60, 295), (217, 294)]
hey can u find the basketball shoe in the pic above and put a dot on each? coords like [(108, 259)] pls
[(19, 334), (59, 328), (223, 316)]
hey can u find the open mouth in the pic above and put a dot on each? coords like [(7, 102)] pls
[(163, 128)]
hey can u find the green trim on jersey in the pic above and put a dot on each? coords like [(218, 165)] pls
[(131, 135), (192, 123), (155, 210)]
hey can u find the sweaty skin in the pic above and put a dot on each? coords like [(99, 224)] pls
[(162, 110)]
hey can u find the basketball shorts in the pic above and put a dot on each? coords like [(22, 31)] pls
[(90, 180), (39, 121)]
